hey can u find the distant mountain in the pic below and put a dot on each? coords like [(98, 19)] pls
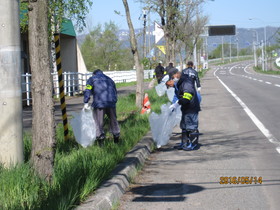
[(244, 37)]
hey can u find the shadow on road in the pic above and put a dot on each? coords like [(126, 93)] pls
[(168, 192)]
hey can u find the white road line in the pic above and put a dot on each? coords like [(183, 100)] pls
[(255, 120), (245, 69), (268, 83), (266, 75), (260, 80), (277, 85), (230, 69)]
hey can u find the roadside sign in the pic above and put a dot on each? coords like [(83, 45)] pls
[(221, 30)]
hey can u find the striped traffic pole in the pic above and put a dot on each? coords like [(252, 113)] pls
[(61, 86)]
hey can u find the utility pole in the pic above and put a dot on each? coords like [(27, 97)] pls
[(222, 49), (11, 144), (149, 29), (263, 56), (255, 54), (255, 44), (230, 49), (237, 48), (144, 33)]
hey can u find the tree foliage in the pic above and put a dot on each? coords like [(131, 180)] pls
[(182, 23), (102, 49), (217, 53), (75, 10)]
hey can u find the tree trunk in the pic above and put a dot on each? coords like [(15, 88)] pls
[(181, 57), (138, 65), (167, 49), (173, 55), (43, 127)]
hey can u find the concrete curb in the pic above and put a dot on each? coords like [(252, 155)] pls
[(110, 192)]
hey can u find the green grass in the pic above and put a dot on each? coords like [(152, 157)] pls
[(78, 171), (259, 70), (233, 60), (126, 84), (202, 73)]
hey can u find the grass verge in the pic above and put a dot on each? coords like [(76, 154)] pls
[(126, 84), (78, 171), (233, 60), (259, 70)]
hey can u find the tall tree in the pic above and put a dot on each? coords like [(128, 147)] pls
[(103, 49), (179, 22), (40, 12), (43, 133), (138, 65)]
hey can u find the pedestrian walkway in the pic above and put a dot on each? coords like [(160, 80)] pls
[(177, 179)]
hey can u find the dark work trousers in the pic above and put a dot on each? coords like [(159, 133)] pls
[(98, 115), (189, 121)]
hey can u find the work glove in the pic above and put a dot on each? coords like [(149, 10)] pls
[(86, 107), (199, 89), (174, 106)]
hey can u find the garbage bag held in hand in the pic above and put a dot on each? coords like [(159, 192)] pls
[(178, 116), (162, 125), (161, 89), (84, 127), (170, 93)]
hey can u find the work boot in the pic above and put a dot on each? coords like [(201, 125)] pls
[(100, 140), (190, 147), (179, 146), (194, 136), (184, 140), (116, 139)]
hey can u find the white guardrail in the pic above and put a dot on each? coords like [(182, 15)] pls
[(74, 82)]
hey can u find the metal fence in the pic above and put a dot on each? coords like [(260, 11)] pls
[(74, 82)]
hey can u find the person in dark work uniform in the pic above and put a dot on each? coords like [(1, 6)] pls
[(105, 97)]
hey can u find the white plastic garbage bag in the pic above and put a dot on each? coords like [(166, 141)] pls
[(178, 116), (162, 125), (84, 127), (161, 89), (170, 93)]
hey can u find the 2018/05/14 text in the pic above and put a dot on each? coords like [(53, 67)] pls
[(240, 180)]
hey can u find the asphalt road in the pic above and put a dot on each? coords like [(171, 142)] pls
[(240, 126)]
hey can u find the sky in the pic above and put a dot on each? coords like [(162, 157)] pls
[(221, 12)]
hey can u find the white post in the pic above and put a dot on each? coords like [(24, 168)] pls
[(65, 82), (69, 84), (237, 48), (222, 49), (11, 144), (265, 55), (263, 59), (230, 49), (27, 89), (255, 53), (57, 85), (207, 56)]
